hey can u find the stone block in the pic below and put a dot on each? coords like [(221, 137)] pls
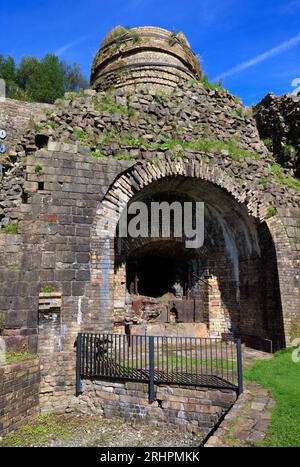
[(31, 187), (78, 288)]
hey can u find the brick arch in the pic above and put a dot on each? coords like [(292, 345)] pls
[(141, 175)]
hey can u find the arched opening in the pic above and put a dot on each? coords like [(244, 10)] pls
[(225, 280)]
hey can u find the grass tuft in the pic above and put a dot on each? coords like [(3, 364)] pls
[(48, 289), (10, 229), (98, 154), (283, 178), (38, 433), (271, 212), (15, 357)]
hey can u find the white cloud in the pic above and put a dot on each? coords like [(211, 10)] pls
[(211, 12), (69, 46), (290, 7), (284, 46)]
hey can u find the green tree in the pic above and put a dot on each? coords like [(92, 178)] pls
[(47, 81), (74, 79), (8, 72), (40, 80), (25, 70)]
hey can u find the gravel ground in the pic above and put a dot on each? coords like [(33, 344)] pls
[(72, 431)]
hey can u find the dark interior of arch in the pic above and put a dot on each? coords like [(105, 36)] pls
[(238, 256), (158, 266)]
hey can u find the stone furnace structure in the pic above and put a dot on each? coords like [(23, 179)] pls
[(151, 128)]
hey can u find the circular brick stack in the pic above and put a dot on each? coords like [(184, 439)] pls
[(146, 56)]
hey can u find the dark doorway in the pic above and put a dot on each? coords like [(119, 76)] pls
[(154, 276)]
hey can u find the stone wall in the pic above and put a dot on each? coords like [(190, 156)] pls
[(16, 116), (66, 188), (190, 408), (19, 394), (57, 245), (134, 126), (144, 57), (19, 287), (278, 119), (287, 253)]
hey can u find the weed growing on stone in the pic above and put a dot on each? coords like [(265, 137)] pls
[(19, 357), (38, 168), (268, 142), (207, 84), (271, 212), (50, 124), (155, 161), (120, 35), (37, 433), (83, 136), (283, 178), (203, 145), (289, 181), (10, 229), (105, 104), (98, 154), (124, 157), (48, 289), (263, 181)]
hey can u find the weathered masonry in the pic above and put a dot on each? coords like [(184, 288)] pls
[(151, 129)]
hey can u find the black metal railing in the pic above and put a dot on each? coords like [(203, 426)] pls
[(214, 363)]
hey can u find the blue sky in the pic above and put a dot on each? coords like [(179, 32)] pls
[(255, 44)]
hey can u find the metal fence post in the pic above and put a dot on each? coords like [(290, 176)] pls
[(152, 396), (239, 366), (78, 365)]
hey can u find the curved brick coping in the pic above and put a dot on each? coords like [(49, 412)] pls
[(19, 394), (248, 420)]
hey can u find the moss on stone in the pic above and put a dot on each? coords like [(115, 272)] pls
[(16, 357), (284, 178), (10, 229), (124, 157), (107, 105), (48, 289), (98, 154), (38, 168), (201, 144), (268, 142), (263, 181), (271, 212), (120, 35), (37, 433), (83, 136), (207, 84)]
